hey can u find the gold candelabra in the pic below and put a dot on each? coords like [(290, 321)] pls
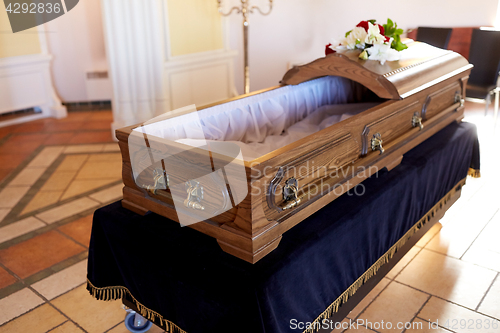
[(245, 9)]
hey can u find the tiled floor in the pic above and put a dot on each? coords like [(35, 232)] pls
[(55, 173)]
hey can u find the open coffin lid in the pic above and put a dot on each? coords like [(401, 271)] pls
[(252, 167)]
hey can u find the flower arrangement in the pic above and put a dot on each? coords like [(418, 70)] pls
[(377, 42)]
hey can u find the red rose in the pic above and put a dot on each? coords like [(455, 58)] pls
[(387, 39), (364, 25), (329, 50)]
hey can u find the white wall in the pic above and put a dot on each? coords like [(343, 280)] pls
[(76, 41), (297, 30), (497, 20)]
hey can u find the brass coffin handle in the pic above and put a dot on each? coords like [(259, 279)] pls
[(290, 190), (160, 179), (459, 98), (377, 143), (194, 195), (417, 121)]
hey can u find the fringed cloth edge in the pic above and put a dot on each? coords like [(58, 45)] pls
[(474, 173), (117, 292), (333, 308)]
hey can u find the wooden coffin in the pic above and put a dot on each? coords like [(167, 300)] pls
[(246, 194)]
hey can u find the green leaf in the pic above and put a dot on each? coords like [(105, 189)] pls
[(390, 24), (372, 21), (348, 33), (391, 30)]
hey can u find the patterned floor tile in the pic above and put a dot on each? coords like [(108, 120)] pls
[(491, 302), (79, 230), (6, 279), (58, 138), (19, 228), (447, 277), (42, 199), (67, 327), (12, 161), (78, 187), (72, 162), (3, 213), (47, 156), (100, 170), (31, 127), (27, 138), (17, 304), (59, 180), (109, 195), (92, 315), (84, 149), (10, 196), (96, 125), (63, 281), (67, 210), (38, 253), (19, 147), (457, 235), (28, 176), (92, 137), (449, 315), (397, 303), (4, 172), (63, 126), (485, 251), (40, 320), (110, 147)]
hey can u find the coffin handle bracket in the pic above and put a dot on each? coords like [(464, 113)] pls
[(161, 181), (459, 98), (377, 143), (416, 120), (194, 195), (290, 190)]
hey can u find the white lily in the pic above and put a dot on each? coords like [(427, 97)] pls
[(373, 35), (383, 52), (356, 39), (338, 44)]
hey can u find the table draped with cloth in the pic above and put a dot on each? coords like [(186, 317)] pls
[(182, 278)]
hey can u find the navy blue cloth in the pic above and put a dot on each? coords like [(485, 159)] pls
[(184, 275)]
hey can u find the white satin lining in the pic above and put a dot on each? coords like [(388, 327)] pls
[(265, 122)]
